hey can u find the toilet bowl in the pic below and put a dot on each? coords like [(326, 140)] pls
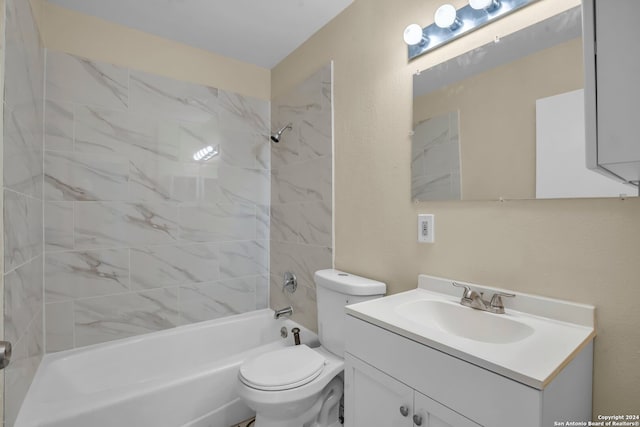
[(293, 387), (301, 386)]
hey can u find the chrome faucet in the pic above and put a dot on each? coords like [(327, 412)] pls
[(473, 299), (287, 311)]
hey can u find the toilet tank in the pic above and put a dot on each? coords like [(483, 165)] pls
[(334, 290)]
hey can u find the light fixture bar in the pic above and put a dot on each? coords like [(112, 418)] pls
[(470, 20)]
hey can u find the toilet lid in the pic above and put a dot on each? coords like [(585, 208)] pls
[(282, 369)]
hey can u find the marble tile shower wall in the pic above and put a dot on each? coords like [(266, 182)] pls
[(139, 237), (22, 200), (302, 193)]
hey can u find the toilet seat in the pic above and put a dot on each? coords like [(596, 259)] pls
[(283, 369)]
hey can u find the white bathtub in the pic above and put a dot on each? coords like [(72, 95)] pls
[(179, 377)]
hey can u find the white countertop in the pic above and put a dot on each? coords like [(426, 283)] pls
[(560, 330)]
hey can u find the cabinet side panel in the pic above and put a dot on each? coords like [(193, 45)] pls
[(569, 396), (588, 43), (617, 68)]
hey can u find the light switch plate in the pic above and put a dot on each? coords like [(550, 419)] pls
[(426, 228)]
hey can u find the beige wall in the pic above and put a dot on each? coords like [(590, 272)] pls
[(498, 119), (580, 250), (68, 31)]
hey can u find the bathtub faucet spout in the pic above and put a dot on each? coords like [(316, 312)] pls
[(287, 311)]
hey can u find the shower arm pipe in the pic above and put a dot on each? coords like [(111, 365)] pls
[(276, 136)]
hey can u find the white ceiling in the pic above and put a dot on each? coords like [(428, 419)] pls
[(260, 32)]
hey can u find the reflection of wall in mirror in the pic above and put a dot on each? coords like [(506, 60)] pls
[(561, 167), (497, 119), (435, 159)]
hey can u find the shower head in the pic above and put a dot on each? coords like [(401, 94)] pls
[(276, 136)]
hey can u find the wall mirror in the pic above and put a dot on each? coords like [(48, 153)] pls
[(506, 120)]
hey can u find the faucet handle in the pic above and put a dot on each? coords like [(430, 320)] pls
[(467, 290), (290, 283), (496, 300)]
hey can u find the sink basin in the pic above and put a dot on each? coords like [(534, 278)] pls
[(464, 322), (530, 343)]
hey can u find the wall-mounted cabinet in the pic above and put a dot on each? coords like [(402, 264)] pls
[(612, 91)]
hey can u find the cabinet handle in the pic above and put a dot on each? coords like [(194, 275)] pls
[(417, 420), (404, 411)]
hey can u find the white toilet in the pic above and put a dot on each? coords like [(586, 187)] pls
[(301, 386)]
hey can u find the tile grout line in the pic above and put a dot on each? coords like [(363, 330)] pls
[(73, 325), (44, 115)]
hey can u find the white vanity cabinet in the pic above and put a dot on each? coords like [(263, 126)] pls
[(385, 371), (373, 398), (612, 92)]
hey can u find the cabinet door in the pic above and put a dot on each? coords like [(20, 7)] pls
[(373, 398), (433, 414), (612, 66), (618, 67)]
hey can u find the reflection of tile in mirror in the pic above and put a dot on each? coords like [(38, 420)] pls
[(435, 159)]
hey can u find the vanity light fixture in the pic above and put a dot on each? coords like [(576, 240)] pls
[(206, 153), (413, 35), (487, 5), (446, 17), (450, 24)]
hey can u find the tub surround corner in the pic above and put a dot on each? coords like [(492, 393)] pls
[(302, 192), (22, 152)]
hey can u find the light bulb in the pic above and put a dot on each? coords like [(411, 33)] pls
[(484, 4), (413, 34), (446, 17)]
